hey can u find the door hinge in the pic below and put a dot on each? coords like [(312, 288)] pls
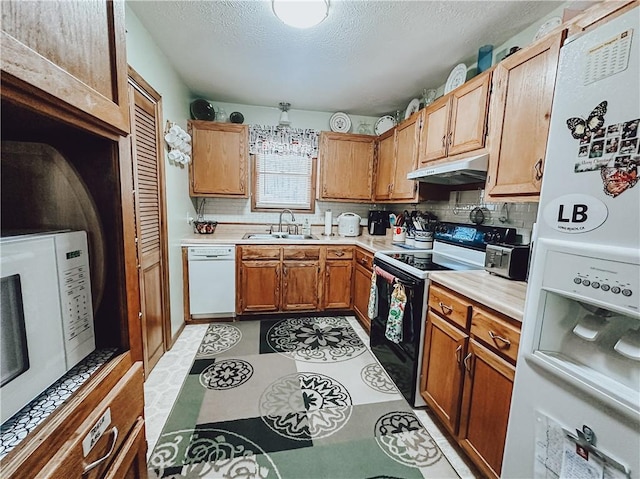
[(140, 315)]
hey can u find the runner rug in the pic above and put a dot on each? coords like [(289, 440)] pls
[(292, 398)]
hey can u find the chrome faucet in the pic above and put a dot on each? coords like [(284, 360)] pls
[(293, 218)]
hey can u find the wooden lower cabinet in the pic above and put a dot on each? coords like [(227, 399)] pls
[(467, 374), (445, 347), (300, 285), (115, 397), (362, 286), (338, 274), (293, 278), (488, 384), (259, 286), (337, 284)]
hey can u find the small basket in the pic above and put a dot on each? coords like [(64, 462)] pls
[(204, 227)]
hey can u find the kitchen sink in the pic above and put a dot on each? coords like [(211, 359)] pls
[(277, 236)]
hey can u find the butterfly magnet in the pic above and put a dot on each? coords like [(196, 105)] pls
[(581, 128), (620, 176)]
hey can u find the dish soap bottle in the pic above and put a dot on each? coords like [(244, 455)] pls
[(306, 227)]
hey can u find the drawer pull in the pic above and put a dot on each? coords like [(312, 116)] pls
[(458, 354), (338, 253), (445, 309), (94, 464), (497, 338)]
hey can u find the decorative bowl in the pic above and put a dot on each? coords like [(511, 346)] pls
[(205, 227)]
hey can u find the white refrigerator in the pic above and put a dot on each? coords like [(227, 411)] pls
[(575, 409)]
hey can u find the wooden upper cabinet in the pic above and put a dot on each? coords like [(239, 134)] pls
[(346, 166), (397, 156), (407, 140), (433, 141), (384, 165), (71, 56), (523, 87), (219, 159), (457, 122), (469, 107)]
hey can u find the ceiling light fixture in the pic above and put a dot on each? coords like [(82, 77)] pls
[(301, 13), (284, 116)]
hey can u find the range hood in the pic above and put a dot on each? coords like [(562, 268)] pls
[(459, 172)]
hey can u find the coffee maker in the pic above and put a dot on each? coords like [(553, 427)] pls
[(378, 222)]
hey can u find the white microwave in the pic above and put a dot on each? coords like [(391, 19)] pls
[(46, 313)]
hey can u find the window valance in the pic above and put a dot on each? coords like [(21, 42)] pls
[(278, 140)]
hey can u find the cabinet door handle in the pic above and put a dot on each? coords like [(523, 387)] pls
[(466, 363), (538, 168), (459, 354), (450, 139), (445, 309), (94, 464), (444, 140), (497, 338)]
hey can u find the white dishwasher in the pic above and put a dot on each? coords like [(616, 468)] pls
[(212, 281)]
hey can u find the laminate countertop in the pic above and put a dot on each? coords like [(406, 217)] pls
[(234, 234), (500, 294)]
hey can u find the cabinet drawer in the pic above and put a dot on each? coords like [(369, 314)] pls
[(449, 306), (364, 258), (338, 252), (301, 252), (496, 333), (260, 252), (124, 404)]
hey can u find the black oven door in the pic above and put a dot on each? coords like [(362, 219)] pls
[(400, 360)]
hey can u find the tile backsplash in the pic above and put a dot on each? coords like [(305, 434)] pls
[(517, 215)]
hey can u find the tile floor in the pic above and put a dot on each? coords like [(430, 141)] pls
[(163, 385)]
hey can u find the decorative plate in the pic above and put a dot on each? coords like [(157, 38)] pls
[(547, 26), (340, 122), (456, 78), (414, 106), (383, 124)]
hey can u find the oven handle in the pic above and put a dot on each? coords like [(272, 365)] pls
[(399, 275)]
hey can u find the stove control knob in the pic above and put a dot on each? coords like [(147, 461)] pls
[(492, 237)]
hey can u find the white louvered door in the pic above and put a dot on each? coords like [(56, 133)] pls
[(150, 224)]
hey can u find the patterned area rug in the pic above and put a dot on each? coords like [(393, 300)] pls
[(292, 398)]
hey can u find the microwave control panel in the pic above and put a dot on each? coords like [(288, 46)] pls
[(612, 282), (75, 296)]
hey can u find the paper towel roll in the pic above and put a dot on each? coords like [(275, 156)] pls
[(327, 223)]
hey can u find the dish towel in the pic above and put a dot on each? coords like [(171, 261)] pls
[(396, 312), (372, 309)]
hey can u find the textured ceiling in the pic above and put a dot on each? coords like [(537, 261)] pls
[(367, 58)]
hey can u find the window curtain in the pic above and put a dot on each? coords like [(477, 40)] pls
[(278, 140)]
